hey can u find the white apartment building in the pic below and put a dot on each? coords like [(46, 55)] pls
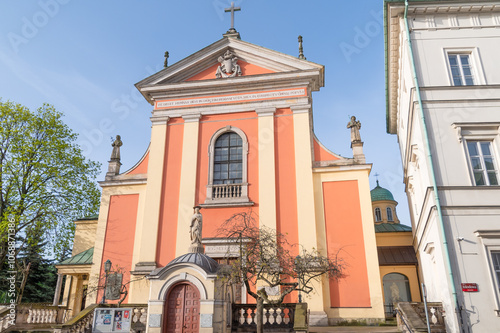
[(443, 103)]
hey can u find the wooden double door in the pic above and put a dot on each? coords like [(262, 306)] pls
[(182, 310)]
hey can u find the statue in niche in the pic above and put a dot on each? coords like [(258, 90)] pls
[(228, 66), (355, 126), (196, 227), (115, 154)]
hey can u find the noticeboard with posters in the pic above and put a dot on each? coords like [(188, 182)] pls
[(112, 320)]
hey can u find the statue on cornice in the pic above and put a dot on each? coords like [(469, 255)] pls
[(115, 154), (228, 66), (354, 125)]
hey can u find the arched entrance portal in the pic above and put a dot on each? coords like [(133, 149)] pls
[(182, 309)]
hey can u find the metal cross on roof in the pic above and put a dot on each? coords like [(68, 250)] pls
[(232, 9)]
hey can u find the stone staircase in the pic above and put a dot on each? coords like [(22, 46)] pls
[(411, 317)]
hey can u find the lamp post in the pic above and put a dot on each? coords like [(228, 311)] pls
[(107, 269), (298, 269)]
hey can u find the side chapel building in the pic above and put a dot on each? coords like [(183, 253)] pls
[(231, 131), (398, 263)]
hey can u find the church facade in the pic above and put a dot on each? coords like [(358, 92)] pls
[(232, 132)]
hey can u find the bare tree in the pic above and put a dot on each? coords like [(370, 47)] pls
[(266, 259)]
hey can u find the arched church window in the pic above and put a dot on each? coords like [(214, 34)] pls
[(227, 174), (228, 159), (378, 215), (389, 214)]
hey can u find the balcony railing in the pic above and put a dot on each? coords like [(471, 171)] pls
[(226, 191), (30, 315), (277, 318)]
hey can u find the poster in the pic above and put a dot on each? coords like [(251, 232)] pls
[(112, 320)]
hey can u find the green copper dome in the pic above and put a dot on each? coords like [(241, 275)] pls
[(380, 193)]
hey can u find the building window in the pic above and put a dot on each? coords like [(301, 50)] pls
[(482, 162), (389, 214), (378, 215), (495, 257), (461, 70), (227, 174), (490, 241), (228, 159)]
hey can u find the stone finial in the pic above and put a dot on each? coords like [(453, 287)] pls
[(165, 63), (195, 231), (356, 143), (114, 162), (301, 49)]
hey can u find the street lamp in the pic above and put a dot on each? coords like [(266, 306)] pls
[(297, 267), (107, 269)]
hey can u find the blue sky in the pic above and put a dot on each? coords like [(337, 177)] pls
[(84, 57)]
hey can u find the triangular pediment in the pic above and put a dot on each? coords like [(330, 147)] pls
[(252, 59)]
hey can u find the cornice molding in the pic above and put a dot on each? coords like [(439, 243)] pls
[(159, 120), (301, 108), (124, 180), (264, 112), (191, 118)]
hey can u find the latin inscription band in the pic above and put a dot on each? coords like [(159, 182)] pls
[(230, 98)]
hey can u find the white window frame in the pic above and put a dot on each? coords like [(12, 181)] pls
[(474, 61), (490, 240), (478, 131), (242, 200), (484, 170)]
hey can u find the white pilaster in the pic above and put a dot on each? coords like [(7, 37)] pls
[(267, 169), (187, 190), (305, 199), (147, 228)]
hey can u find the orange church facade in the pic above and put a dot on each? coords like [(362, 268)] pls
[(232, 143)]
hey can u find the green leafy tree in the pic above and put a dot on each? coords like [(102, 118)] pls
[(45, 182)]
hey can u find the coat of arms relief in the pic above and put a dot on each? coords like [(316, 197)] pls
[(228, 66)]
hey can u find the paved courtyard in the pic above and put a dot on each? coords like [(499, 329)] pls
[(354, 329)]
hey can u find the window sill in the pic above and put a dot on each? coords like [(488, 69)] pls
[(227, 203)]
